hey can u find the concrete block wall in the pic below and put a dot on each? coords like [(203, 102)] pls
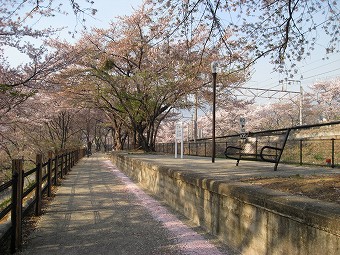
[(252, 219)]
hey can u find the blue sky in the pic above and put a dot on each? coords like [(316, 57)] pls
[(107, 11), (313, 69)]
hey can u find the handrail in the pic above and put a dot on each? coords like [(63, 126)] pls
[(6, 185), (5, 211), (32, 171), (15, 202), (270, 131)]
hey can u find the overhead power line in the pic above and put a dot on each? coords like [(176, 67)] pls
[(321, 74), (265, 93)]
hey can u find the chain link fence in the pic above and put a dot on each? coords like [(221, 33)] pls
[(305, 145)]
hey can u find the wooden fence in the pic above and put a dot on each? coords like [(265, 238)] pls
[(23, 187)]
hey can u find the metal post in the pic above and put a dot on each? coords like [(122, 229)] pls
[(214, 119), (256, 151), (300, 106), (195, 117), (182, 145), (281, 150), (333, 163), (301, 152), (176, 148), (214, 76)]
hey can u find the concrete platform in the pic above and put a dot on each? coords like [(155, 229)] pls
[(226, 169), (252, 219)]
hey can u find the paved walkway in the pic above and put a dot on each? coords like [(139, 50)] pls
[(98, 210)]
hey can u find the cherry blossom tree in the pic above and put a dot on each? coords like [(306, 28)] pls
[(20, 82), (325, 100), (134, 73), (286, 30)]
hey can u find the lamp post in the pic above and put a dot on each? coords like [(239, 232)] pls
[(214, 75)]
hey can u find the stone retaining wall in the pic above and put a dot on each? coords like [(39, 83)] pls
[(252, 219)]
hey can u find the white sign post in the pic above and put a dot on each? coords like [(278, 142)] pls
[(179, 137), (243, 134)]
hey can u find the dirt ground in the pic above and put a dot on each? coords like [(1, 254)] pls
[(326, 188)]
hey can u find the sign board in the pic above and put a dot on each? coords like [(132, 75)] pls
[(243, 134)]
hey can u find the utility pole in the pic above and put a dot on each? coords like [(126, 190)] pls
[(300, 106), (300, 100)]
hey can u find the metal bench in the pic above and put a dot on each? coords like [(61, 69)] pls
[(264, 154), (278, 150), (232, 157)]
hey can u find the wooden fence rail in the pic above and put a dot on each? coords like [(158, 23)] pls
[(47, 174)]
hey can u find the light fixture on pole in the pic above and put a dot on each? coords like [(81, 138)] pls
[(214, 75)]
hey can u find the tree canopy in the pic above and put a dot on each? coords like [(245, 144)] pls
[(133, 73), (286, 30)]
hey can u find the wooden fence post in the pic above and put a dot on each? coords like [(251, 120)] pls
[(73, 158), (76, 155), (56, 168), (69, 161), (66, 163), (49, 174), (62, 165), (38, 191), (16, 214)]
